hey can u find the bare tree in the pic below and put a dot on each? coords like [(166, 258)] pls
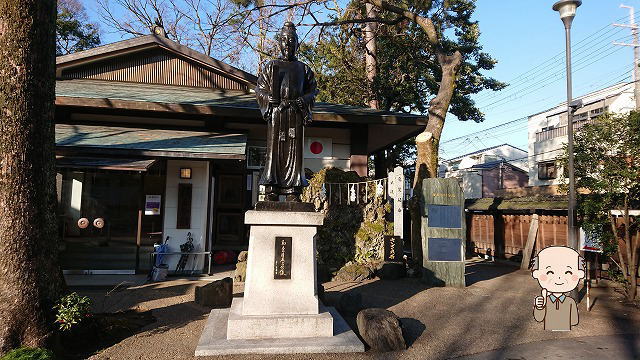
[(205, 25)]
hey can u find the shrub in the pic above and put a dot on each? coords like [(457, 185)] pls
[(28, 354), (71, 310)]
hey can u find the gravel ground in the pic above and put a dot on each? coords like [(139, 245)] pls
[(494, 311)]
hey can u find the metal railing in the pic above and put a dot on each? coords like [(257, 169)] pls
[(560, 131)]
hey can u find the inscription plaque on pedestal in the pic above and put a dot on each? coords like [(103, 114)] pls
[(282, 261)]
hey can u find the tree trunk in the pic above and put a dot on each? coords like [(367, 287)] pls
[(631, 251), (30, 279), (428, 141), (371, 62)]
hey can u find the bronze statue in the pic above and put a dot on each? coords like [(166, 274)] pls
[(285, 92)]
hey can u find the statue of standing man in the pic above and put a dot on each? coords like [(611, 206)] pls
[(285, 92)]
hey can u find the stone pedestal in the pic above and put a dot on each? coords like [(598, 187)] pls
[(265, 295), (280, 311)]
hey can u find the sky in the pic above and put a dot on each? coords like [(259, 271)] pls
[(527, 40)]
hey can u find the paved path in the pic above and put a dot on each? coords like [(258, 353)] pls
[(617, 347)]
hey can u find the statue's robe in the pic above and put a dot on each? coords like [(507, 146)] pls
[(283, 170)]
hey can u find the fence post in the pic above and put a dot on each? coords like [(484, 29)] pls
[(396, 192), (531, 242)]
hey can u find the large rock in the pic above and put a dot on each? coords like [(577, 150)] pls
[(240, 275), (381, 330), (353, 272), (217, 294)]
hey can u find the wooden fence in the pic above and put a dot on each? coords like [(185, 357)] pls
[(505, 236)]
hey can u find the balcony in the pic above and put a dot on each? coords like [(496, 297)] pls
[(560, 131)]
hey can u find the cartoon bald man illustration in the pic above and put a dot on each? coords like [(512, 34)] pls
[(558, 270)]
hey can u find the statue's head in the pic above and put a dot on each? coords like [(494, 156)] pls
[(288, 41)]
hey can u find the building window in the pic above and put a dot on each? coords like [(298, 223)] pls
[(547, 170), (256, 157)]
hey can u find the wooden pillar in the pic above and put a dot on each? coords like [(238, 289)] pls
[(359, 157), (380, 164)]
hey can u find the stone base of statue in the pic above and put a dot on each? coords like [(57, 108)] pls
[(280, 311)]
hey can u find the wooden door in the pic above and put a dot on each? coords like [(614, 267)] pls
[(229, 208)]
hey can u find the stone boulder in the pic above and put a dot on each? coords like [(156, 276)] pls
[(353, 272), (217, 294), (381, 330)]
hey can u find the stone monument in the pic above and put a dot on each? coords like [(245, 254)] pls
[(443, 232), (280, 311)]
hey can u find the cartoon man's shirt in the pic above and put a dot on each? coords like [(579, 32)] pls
[(559, 314)]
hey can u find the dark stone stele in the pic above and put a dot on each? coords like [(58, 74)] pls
[(285, 206), (393, 249), (217, 294), (381, 330), (392, 271)]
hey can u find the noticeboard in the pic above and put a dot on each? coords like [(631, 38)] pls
[(589, 242)]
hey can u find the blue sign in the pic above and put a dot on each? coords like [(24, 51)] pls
[(445, 216), (441, 249)]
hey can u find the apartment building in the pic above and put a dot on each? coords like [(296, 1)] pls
[(548, 129)]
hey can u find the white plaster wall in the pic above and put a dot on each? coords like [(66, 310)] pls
[(505, 152), (200, 194), (472, 184), (470, 181)]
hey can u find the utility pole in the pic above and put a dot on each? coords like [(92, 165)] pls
[(636, 50)]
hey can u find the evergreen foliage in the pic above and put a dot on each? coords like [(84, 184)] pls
[(73, 31), (607, 173)]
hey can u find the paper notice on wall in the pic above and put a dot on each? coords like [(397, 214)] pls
[(152, 204)]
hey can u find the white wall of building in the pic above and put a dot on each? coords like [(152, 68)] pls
[(617, 99), (200, 194), (506, 152)]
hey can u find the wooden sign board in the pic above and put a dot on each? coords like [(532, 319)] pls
[(443, 232), (282, 261), (393, 249)]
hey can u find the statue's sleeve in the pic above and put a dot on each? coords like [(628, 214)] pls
[(263, 88), (310, 92), (310, 87)]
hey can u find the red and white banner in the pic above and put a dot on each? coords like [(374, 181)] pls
[(315, 148)]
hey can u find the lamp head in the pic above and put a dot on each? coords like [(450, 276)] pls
[(567, 10)]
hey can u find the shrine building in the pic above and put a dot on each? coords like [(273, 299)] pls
[(155, 140)]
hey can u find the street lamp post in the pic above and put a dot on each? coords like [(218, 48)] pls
[(567, 10)]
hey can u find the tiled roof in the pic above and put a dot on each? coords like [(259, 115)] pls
[(188, 97)]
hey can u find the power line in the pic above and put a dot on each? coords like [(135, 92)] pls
[(556, 66), (560, 55), (549, 80)]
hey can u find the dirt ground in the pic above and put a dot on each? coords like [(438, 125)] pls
[(494, 311)]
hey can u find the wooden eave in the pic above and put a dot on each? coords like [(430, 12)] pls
[(231, 111)]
